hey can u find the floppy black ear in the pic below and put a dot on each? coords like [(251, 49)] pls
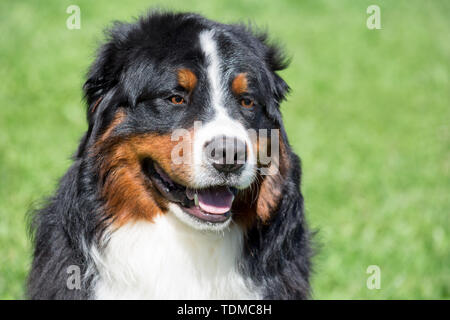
[(277, 61), (102, 76), (101, 87), (105, 72), (281, 88)]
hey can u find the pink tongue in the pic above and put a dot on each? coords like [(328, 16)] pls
[(215, 201)]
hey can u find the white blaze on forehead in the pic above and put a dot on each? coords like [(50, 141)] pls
[(221, 124), (209, 47)]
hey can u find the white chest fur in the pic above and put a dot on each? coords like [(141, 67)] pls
[(167, 259)]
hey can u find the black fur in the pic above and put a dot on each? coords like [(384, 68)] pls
[(278, 253), (132, 71)]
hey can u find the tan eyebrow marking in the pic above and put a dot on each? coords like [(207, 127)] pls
[(187, 79), (240, 84)]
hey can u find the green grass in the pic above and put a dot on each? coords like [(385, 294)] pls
[(368, 114)]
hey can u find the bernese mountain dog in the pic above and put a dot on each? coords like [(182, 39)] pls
[(157, 203)]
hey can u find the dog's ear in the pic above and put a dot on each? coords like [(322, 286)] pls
[(104, 74), (271, 188), (102, 77), (100, 92), (277, 61), (101, 88), (277, 242)]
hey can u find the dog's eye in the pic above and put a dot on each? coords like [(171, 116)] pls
[(247, 103), (176, 99)]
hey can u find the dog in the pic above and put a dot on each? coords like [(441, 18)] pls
[(136, 216)]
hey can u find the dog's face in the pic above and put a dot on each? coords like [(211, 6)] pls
[(174, 103)]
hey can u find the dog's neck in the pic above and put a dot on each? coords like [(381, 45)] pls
[(166, 259)]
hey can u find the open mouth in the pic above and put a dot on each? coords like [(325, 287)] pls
[(212, 204)]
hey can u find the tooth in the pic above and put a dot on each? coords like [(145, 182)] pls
[(190, 194), (196, 199)]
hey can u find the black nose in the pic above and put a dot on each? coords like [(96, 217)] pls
[(227, 154)]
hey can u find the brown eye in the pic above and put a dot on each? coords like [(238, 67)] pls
[(176, 99), (247, 103)]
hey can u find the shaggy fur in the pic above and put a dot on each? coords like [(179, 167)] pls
[(105, 199)]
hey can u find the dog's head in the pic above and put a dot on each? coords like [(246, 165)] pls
[(180, 110)]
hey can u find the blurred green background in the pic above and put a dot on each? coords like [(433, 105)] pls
[(368, 114)]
